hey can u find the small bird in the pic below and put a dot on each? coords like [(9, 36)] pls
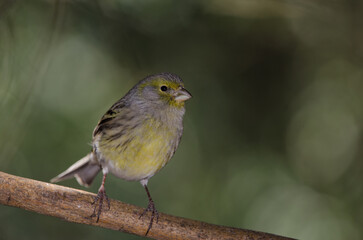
[(135, 138)]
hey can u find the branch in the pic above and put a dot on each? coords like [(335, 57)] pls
[(75, 206)]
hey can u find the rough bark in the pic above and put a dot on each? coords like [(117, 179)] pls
[(75, 206)]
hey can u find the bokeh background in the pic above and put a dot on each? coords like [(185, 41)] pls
[(273, 135)]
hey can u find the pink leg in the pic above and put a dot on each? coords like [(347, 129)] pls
[(150, 208), (99, 198)]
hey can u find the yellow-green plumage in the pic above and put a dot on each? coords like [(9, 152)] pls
[(136, 137), (140, 133), (140, 153)]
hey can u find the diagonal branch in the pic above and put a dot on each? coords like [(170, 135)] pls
[(75, 206)]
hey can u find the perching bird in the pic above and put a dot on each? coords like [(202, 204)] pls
[(135, 138)]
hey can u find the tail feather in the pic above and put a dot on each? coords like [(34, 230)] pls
[(84, 170)]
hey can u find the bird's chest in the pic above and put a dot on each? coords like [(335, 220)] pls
[(142, 151), (149, 147)]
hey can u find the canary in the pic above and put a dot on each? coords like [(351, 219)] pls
[(135, 138)]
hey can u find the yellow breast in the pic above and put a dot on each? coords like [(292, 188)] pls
[(140, 152)]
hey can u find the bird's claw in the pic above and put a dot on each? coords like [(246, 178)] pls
[(99, 198), (150, 208)]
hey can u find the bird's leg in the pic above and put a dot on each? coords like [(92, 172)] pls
[(150, 208), (99, 198)]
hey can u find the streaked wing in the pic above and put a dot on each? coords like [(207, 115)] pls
[(108, 117)]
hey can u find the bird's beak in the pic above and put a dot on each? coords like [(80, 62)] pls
[(182, 95)]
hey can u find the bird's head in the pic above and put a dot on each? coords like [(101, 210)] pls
[(164, 88)]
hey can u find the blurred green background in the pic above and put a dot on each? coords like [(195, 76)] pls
[(273, 134)]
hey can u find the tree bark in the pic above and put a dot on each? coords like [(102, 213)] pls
[(75, 206)]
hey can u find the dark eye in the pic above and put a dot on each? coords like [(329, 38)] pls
[(163, 88)]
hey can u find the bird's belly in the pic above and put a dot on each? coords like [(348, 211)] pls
[(140, 158)]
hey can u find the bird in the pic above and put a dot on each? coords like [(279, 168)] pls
[(135, 138)]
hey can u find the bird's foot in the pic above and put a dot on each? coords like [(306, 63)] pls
[(150, 208), (99, 198)]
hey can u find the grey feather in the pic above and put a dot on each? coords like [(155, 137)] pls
[(84, 170), (141, 103)]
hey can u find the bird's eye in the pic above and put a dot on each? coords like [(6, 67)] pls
[(163, 88)]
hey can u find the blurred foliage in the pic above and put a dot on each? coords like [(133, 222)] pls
[(273, 135)]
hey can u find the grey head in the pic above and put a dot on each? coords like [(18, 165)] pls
[(159, 91)]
